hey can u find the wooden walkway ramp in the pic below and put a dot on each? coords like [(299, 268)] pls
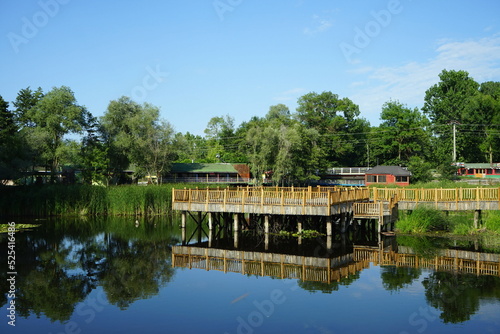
[(311, 201), (344, 204)]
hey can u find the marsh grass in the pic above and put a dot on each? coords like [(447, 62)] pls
[(423, 220), (492, 221), (87, 200)]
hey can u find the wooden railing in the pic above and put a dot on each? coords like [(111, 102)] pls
[(436, 194), (310, 196), (372, 209), (375, 209)]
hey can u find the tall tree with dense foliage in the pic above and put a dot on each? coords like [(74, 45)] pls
[(401, 135), (451, 101), (337, 122), (282, 148), (94, 155), (26, 99), (136, 135), (459, 102), (190, 148), (54, 116), (9, 143), (487, 107)]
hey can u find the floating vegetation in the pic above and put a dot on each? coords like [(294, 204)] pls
[(4, 228), (302, 234)]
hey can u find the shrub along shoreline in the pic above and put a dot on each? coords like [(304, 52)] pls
[(424, 220)]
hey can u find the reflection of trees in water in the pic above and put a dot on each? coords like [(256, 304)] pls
[(396, 278), (328, 287), (58, 265), (459, 296), (135, 270)]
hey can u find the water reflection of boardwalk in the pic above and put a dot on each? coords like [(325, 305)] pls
[(444, 260), (327, 270), (268, 264)]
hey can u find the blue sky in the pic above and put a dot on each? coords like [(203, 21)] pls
[(203, 58)]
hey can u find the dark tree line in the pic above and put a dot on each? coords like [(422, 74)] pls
[(325, 131)]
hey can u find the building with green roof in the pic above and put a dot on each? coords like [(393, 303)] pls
[(209, 173)]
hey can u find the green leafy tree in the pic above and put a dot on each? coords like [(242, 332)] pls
[(54, 116), (487, 113), (420, 170), (451, 101), (26, 99), (336, 120), (136, 135), (11, 155), (94, 155), (117, 131), (190, 148), (401, 135), (282, 147), (221, 140)]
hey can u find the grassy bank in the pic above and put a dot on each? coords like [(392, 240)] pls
[(424, 220), (76, 200)]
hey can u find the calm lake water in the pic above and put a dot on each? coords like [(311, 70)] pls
[(111, 275)]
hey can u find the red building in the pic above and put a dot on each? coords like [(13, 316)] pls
[(387, 175)]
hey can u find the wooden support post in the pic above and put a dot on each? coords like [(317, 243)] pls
[(210, 237), (235, 238), (266, 232), (299, 231), (183, 227), (183, 219), (236, 225), (329, 242), (210, 221), (329, 226), (266, 224)]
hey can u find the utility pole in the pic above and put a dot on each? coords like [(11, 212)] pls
[(368, 154), (454, 142), (454, 123)]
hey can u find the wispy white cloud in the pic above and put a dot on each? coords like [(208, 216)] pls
[(408, 82), (318, 25)]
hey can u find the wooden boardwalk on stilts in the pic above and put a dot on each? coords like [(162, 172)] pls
[(342, 203)]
